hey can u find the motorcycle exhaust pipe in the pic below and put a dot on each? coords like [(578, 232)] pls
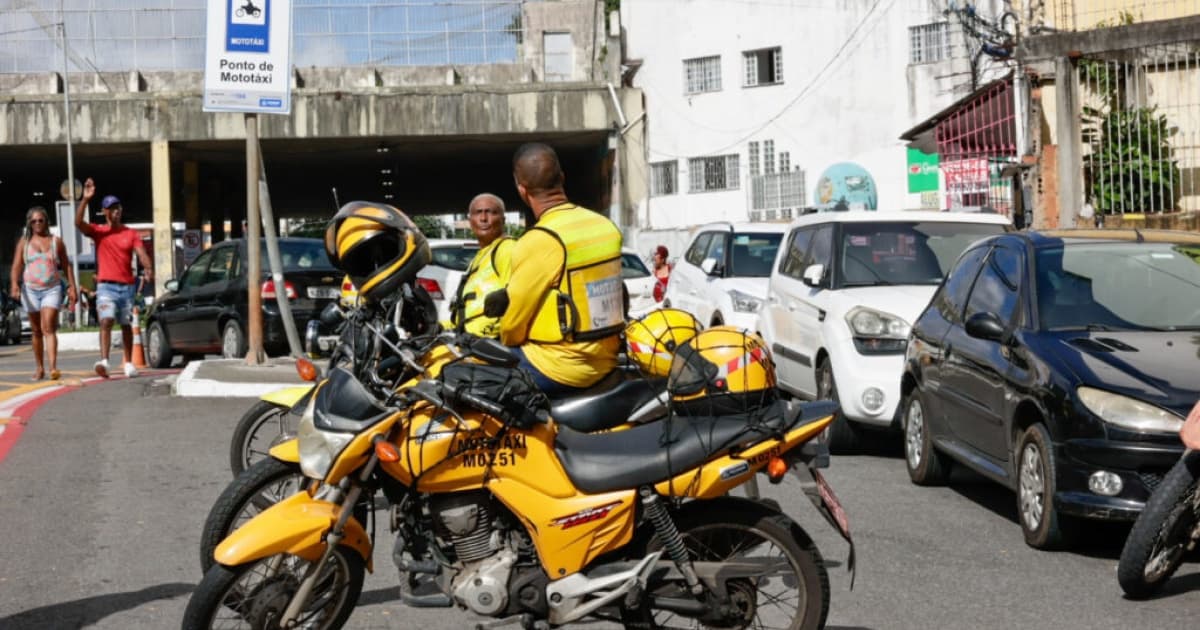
[(689, 607)]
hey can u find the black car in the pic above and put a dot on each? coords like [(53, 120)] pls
[(1060, 364), (205, 309)]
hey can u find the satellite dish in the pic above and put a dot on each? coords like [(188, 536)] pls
[(65, 193)]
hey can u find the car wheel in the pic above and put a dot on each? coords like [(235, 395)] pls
[(158, 347), (233, 341), (926, 465), (840, 435), (1043, 526)]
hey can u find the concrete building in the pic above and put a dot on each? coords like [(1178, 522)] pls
[(424, 132), (759, 110)]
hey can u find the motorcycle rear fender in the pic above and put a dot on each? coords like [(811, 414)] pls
[(296, 525), (289, 396), (286, 451)]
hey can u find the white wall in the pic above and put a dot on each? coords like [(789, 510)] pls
[(853, 111)]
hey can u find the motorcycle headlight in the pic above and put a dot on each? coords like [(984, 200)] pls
[(744, 302), (876, 332), (318, 448), (1128, 413)]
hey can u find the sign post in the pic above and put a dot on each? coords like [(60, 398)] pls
[(247, 68)]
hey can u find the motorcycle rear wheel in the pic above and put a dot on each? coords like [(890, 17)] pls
[(713, 537), (262, 485), (1162, 533), (262, 426), (255, 594)]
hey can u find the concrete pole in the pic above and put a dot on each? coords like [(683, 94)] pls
[(254, 325), (1070, 135), (160, 192), (273, 257), (75, 247)]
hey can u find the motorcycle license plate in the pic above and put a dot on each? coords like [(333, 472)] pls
[(318, 293), (831, 502)]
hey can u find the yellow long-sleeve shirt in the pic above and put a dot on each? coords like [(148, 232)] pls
[(537, 263)]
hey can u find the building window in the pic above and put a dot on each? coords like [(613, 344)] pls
[(929, 42), (763, 67), (769, 156), (702, 74), (754, 167), (786, 213), (713, 173), (664, 177), (559, 61), (776, 191), (785, 161)]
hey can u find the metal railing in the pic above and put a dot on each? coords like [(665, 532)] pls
[(113, 36)]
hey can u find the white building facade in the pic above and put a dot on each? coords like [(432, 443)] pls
[(760, 110)]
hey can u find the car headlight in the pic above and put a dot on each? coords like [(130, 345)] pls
[(744, 302), (1128, 413), (318, 448), (876, 332)]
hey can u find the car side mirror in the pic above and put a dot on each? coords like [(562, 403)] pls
[(709, 266), (985, 326), (172, 285), (814, 275)]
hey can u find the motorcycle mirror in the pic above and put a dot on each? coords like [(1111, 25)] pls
[(332, 315)]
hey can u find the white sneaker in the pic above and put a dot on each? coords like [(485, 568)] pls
[(130, 371), (101, 367)]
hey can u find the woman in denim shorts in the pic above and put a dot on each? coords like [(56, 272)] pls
[(35, 280)]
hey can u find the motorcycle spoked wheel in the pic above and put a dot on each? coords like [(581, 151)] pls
[(262, 485), (262, 426), (1160, 537), (254, 595), (796, 599)]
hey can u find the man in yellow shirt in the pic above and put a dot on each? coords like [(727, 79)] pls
[(565, 293), (489, 270)]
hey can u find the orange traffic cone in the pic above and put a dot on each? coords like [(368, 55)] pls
[(139, 355)]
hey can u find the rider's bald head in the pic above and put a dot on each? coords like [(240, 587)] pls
[(536, 168)]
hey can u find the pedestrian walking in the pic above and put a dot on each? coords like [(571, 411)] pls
[(662, 272), (35, 280), (115, 246)]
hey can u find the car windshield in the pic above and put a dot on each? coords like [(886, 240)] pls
[(633, 267), (455, 257), (1111, 286), (902, 252), (753, 254), (298, 255)]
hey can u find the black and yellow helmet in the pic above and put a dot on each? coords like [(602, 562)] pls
[(377, 245), (651, 339), (722, 370)]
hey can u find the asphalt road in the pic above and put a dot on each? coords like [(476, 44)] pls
[(104, 495)]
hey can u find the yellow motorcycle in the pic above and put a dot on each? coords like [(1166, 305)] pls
[(517, 519)]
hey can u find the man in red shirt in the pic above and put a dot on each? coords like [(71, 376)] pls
[(115, 246)]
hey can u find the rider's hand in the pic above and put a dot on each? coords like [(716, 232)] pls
[(1190, 433)]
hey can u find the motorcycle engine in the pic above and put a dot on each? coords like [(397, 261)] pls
[(465, 521)]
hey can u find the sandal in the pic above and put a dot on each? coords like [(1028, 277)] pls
[(55, 375), (38, 375)]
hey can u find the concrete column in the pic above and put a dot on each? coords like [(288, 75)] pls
[(160, 186), (1069, 135)]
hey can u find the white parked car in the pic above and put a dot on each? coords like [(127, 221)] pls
[(839, 305), (722, 277), (639, 282), (451, 257)]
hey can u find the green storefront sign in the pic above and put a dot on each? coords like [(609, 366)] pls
[(922, 171)]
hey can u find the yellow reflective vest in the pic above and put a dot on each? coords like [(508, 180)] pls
[(488, 272), (587, 304)]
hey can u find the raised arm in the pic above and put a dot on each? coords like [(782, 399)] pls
[(81, 222), (18, 267)]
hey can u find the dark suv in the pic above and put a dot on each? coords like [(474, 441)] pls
[(205, 309)]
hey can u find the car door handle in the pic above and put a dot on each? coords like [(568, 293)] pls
[(692, 292)]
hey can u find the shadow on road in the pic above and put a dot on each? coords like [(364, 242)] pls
[(1180, 585), (89, 610)]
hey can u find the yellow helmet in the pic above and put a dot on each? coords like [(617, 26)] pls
[(377, 245), (722, 370), (651, 340)]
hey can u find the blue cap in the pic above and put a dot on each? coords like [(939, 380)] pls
[(110, 201)]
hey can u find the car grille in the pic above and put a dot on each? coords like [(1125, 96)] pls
[(1150, 479)]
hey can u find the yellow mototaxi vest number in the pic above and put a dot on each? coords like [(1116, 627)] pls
[(587, 304), (480, 280)]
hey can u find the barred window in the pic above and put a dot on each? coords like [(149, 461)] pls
[(763, 67), (777, 191), (664, 178), (754, 168), (769, 156), (702, 74), (713, 173), (929, 42)]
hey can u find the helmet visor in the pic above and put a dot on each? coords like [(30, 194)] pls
[(372, 255), (690, 372)]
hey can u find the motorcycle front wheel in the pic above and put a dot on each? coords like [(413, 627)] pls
[(795, 597), (1163, 531), (262, 485), (262, 426), (256, 594)]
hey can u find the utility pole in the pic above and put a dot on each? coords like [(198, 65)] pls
[(254, 349), (70, 160)]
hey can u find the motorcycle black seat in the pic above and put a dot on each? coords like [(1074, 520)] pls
[(608, 406), (344, 404), (654, 452)]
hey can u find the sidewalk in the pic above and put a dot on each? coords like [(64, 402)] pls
[(228, 378)]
